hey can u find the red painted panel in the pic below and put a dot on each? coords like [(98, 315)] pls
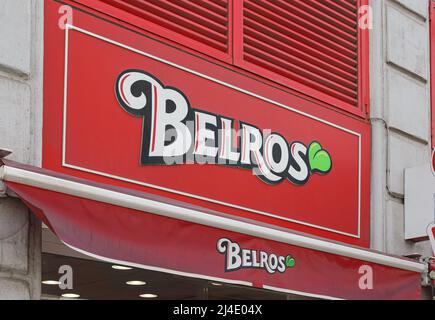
[(103, 142)]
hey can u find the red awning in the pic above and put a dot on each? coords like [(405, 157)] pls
[(146, 231)]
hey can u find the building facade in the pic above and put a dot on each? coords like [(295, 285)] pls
[(21, 87), (396, 107), (398, 142)]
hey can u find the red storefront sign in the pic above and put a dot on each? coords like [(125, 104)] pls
[(129, 121), (110, 93)]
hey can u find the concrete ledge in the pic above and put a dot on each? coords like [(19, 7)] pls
[(407, 42), (403, 153), (11, 289), (15, 35), (419, 7), (408, 104)]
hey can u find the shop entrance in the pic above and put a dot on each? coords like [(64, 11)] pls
[(97, 280)]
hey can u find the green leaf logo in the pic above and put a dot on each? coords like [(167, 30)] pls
[(290, 262), (319, 159)]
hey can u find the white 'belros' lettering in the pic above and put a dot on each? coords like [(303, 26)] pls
[(172, 129), (237, 258)]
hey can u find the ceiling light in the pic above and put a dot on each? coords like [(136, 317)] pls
[(216, 284), (116, 267), (148, 295), (51, 282), (136, 283), (70, 295)]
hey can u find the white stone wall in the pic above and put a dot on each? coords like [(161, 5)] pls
[(400, 112), (21, 53)]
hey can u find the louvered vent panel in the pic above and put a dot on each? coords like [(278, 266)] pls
[(205, 21), (311, 42)]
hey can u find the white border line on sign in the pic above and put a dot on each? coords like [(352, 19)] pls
[(65, 164)]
